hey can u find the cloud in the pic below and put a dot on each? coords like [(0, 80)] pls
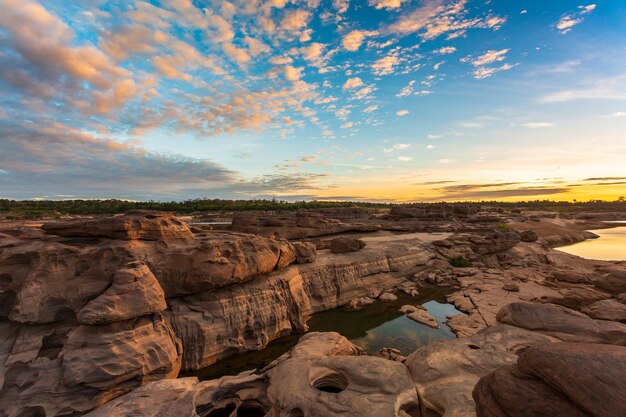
[(386, 4), (618, 114), (438, 17), (385, 65), (397, 147), (402, 113), (370, 109), (404, 158), (52, 159), (445, 50), (567, 22), (610, 88), (478, 192), (605, 179), (537, 125), (352, 83), (352, 40), (294, 20), (487, 58), (46, 62)]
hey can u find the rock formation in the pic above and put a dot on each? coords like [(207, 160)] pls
[(102, 313)]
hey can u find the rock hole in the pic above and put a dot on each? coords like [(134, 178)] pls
[(473, 347), (333, 383), (65, 313), (7, 301), (226, 253), (37, 411), (250, 409), (296, 412), (412, 410), (429, 412), (5, 279), (220, 412), (51, 346)]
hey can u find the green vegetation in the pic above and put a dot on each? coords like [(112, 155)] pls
[(34, 208), (460, 262), (503, 227), (183, 207)]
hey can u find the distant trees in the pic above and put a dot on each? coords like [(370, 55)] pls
[(111, 206)]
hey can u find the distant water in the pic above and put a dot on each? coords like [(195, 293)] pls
[(610, 246), (372, 328)]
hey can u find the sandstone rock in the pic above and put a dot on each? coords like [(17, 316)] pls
[(134, 292), (562, 323), (306, 252), (557, 379), (607, 310), (390, 354), (359, 303), (60, 369), (346, 244), (143, 225), (388, 297), (407, 309), (299, 225), (319, 377), (445, 372), (420, 315), (510, 287), (341, 386), (528, 236), (473, 247)]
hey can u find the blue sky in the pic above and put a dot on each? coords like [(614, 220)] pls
[(393, 100)]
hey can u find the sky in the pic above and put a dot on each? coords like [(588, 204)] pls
[(373, 100)]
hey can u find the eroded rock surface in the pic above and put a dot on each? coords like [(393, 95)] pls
[(557, 379)]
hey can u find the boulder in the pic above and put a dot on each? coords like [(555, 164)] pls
[(420, 315), (346, 244), (140, 224), (134, 292), (445, 372), (557, 379), (607, 310), (528, 236), (306, 252), (562, 323), (387, 297)]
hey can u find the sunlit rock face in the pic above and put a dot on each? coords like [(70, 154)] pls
[(82, 312), (321, 376), (557, 379)]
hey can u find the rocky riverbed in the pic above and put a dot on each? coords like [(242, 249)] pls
[(99, 316)]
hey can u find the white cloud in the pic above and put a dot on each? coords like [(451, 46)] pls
[(429, 147), (352, 40), (537, 125), (397, 147), (445, 50), (488, 57), (406, 90), (438, 17), (370, 109), (385, 65), (404, 158), (346, 125), (445, 161), (618, 114), (352, 83), (567, 22), (402, 113), (386, 4)]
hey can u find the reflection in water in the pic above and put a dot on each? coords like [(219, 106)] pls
[(610, 246), (376, 326)]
